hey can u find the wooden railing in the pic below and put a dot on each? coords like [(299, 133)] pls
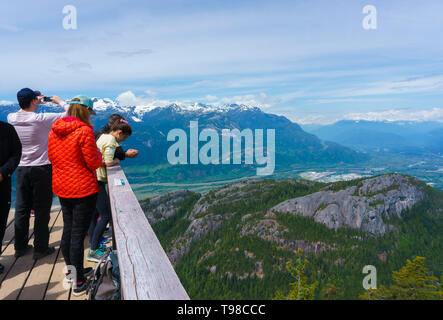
[(146, 272)]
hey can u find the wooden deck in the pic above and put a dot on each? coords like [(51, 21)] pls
[(146, 272), (26, 279)]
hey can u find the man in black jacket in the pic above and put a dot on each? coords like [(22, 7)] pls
[(10, 154)]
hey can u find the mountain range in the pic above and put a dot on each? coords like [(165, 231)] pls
[(151, 125), (410, 137)]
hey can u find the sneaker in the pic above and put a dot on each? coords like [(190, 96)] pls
[(107, 233), (22, 252), (104, 241), (39, 255), (95, 256), (80, 288), (86, 273), (103, 248)]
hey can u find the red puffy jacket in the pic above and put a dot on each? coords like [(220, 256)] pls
[(75, 157)]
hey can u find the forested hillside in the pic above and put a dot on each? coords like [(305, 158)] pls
[(235, 242)]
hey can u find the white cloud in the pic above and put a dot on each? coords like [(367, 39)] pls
[(79, 66), (210, 98), (128, 98), (150, 92), (9, 27), (5, 103), (434, 114), (129, 54), (432, 83), (261, 100)]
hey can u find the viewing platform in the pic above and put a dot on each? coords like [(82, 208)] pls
[(146, 272)]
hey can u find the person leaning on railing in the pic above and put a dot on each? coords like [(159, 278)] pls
[(75, 157), (107, 144), (120, 154), (10, 154)]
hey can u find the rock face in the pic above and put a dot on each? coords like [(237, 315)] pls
[(230, 193), (270, 230), (164, 206), (198, 228), (363, 207)]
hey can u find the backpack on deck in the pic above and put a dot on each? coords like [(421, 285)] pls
[(104, 283)]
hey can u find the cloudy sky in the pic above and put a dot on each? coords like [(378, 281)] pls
[(311, 61)]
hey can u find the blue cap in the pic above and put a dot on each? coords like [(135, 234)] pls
[(25, 97), (85, 101)]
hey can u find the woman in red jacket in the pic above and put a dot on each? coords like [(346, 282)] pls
[(75, 157)]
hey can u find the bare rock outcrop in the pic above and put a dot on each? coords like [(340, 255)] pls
[(270, 230), (363, 206)]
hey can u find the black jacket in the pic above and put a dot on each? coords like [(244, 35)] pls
[(119, 152), (10, 150)]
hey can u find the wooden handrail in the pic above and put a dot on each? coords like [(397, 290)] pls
[(146, 272)]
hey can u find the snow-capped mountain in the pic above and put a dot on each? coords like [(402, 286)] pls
[(152, 122), (107, 105)]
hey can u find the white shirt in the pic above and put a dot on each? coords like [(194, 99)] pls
[(33, 130)]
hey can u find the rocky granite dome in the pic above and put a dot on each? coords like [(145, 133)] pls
[(365, 207), (239, 237)]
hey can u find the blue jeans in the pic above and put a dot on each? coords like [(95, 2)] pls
[(102, 210)]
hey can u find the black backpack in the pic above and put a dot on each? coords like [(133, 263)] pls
[(104, 283)]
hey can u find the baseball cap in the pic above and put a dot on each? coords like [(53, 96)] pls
[(85, 101), (25, 97)]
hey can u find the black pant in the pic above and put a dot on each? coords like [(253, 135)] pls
[(103, 210), (34, 192), (77, 215), (5, 205)]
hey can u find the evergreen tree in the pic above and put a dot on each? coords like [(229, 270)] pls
[(300, 288), (412, 282), (331, 292)]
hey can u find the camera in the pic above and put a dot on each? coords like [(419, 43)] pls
[(46, 99)]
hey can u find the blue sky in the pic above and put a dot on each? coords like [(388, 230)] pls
[(311, 61)]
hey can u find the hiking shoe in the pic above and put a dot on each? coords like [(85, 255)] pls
[(107, 233), (39, 255), (80, 288), (95, 256), (104, 241), (21, 252), (2, 268), (86, 273)]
